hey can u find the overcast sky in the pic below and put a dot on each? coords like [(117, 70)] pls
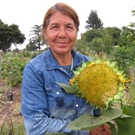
[(26, 13)]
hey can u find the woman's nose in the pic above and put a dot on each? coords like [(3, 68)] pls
[(62, 32)]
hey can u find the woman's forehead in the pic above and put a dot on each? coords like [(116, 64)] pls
[(58, 16)]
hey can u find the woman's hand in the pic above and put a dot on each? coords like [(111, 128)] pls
[(102, 130)]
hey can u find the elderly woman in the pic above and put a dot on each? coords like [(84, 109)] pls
[(45, 106)]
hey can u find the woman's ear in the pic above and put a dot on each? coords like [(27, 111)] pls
[(45, 37)]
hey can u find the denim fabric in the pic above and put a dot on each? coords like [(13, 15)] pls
[(45, 105)]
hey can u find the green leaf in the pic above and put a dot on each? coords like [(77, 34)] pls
[(68, 88), (87, 122), (126, 126), (129, 110)]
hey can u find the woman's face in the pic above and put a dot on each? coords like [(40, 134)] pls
[(61, 33)]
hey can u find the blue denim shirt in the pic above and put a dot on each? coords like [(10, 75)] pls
[(46, 107)]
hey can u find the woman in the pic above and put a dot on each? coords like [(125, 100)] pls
[(45, 106)]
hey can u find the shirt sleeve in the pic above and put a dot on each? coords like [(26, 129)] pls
[(35, 107)]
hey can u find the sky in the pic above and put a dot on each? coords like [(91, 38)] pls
[(27, 13)]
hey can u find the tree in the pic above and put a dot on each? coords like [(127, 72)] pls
[(125, 57), (82, 47), (90, 34), (95, 40), (102, 44), (132, 26), (83, 44), (10, 34), (36, 40), (126, 38), (115, 33), (94, 21), (31, 46)]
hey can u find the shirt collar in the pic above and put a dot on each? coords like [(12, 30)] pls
[(52, 63)]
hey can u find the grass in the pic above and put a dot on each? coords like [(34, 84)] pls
[(17, 129)]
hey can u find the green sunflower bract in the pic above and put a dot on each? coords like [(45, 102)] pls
[(99, 82)]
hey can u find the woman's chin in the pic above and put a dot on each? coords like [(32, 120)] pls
[(63, 50)]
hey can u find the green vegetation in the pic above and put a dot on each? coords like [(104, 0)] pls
[(11, 68), (12, 65), (17, 129), (10, 34)]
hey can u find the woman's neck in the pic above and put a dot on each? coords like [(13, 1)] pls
[(64, 60)]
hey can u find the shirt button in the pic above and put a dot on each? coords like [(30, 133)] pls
[(76, 105), (57, 92)]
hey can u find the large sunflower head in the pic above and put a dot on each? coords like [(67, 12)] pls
[(100, 82)]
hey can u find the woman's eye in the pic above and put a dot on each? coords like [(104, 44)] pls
[(54, 27), (69, 27)]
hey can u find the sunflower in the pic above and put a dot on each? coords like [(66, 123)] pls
[(100, 82)]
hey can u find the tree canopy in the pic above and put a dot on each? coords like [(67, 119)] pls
[(36, 41), (10, 34), (94, 22)]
